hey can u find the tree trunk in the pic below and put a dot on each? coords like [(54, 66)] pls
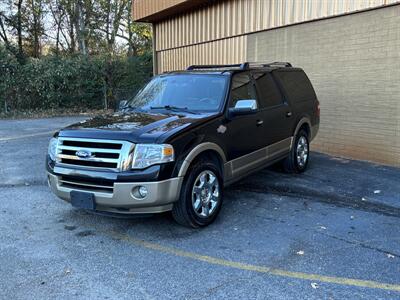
[(72, 38), (19, 30), (36, 28), (58, 40), (130, 33), (80, 27)]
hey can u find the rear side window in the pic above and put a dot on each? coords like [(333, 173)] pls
[(242, 88), (297, 85), (269, 94)]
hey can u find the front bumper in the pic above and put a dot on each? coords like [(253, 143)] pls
[(122, 199)]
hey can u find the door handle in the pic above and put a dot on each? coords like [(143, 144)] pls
[(289, 114), (260, 122)]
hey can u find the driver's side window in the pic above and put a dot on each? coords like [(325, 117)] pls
[(242, 88)]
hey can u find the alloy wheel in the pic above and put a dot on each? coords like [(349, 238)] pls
[(302, 151), (206, 194)]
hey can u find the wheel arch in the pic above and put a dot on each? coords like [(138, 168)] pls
[(206, 148), (303, 123)]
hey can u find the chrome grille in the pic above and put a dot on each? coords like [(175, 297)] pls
[(86, 184), (104, 154)]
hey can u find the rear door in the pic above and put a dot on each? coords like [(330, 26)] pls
[(299, 92), (276, 113)]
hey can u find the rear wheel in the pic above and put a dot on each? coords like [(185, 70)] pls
[(297, 160), (201, 196)]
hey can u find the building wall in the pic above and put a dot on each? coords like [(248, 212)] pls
[(232, 18), (224, 51), (353, 60), (354, 64)]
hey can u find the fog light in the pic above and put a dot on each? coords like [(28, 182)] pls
[(142, 191)]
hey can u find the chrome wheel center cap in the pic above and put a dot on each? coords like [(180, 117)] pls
[(205, 195)]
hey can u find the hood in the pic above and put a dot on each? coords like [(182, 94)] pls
[(137, 127)]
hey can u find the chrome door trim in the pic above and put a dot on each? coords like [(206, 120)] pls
[(238, 166)]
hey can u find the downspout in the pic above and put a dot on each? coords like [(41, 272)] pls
[(154, 40)]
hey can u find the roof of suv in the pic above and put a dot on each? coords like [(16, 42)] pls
[(233, 68)]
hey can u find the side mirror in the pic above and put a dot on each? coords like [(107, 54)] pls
[(244, 107), (122, 104)]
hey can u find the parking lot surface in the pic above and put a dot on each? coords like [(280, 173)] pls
[(330, 233)]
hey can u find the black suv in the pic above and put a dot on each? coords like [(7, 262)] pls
[(185, 136)]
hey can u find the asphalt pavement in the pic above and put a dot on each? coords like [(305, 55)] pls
[(330, 233)]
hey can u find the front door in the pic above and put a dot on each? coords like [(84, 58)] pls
[(245, 134)]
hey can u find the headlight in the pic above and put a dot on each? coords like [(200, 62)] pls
[(52, 151), (146, 155)]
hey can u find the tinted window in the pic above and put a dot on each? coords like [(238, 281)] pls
[(269, 94), (297, 85), (242, 88), (195, 92)]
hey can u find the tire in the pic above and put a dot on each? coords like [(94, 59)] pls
[(297, 160), (201, 189)]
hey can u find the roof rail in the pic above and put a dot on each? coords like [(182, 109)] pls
[(273, 64), (279, 63), (243, 66)]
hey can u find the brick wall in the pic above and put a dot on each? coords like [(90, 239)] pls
[(354, 64)]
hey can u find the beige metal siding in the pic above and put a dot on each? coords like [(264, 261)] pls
[(226, 51), (145, 8), (234, 17), (354, 64), (353, 60)]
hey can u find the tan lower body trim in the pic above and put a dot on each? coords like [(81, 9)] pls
[(244, 164)]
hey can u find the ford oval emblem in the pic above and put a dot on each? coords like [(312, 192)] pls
[(83, 154)]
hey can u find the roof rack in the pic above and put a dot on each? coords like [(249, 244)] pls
[(243, 66), (273, 64)]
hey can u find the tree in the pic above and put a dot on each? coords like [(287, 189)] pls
[(91, 27), (109, 16), (11, 22), (80, 27), (34, 12), (137, 36)]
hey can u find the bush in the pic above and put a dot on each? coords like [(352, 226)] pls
[(74, 82)]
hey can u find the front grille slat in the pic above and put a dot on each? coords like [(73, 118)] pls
[(86, 143), (94, 150), (85, 186), (93, 159), (103, 154)]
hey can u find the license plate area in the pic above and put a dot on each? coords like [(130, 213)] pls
[(83, 200)]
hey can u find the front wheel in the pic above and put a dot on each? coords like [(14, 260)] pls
[(201, 196), (297, 160)]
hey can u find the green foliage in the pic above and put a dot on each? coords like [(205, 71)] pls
[(75, 82)]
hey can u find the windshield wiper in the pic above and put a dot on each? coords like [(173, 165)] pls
[(174, 108)]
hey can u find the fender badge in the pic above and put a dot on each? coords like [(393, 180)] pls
[(221, 129)]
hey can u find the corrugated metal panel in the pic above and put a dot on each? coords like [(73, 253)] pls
[(142, 9), (234, 17), (226, 51)]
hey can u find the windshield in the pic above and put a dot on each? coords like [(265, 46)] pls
[(194, 92)]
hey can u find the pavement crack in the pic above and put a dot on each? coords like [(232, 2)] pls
[(339, 200), (361, 244), (212, 290), (22, 184)]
